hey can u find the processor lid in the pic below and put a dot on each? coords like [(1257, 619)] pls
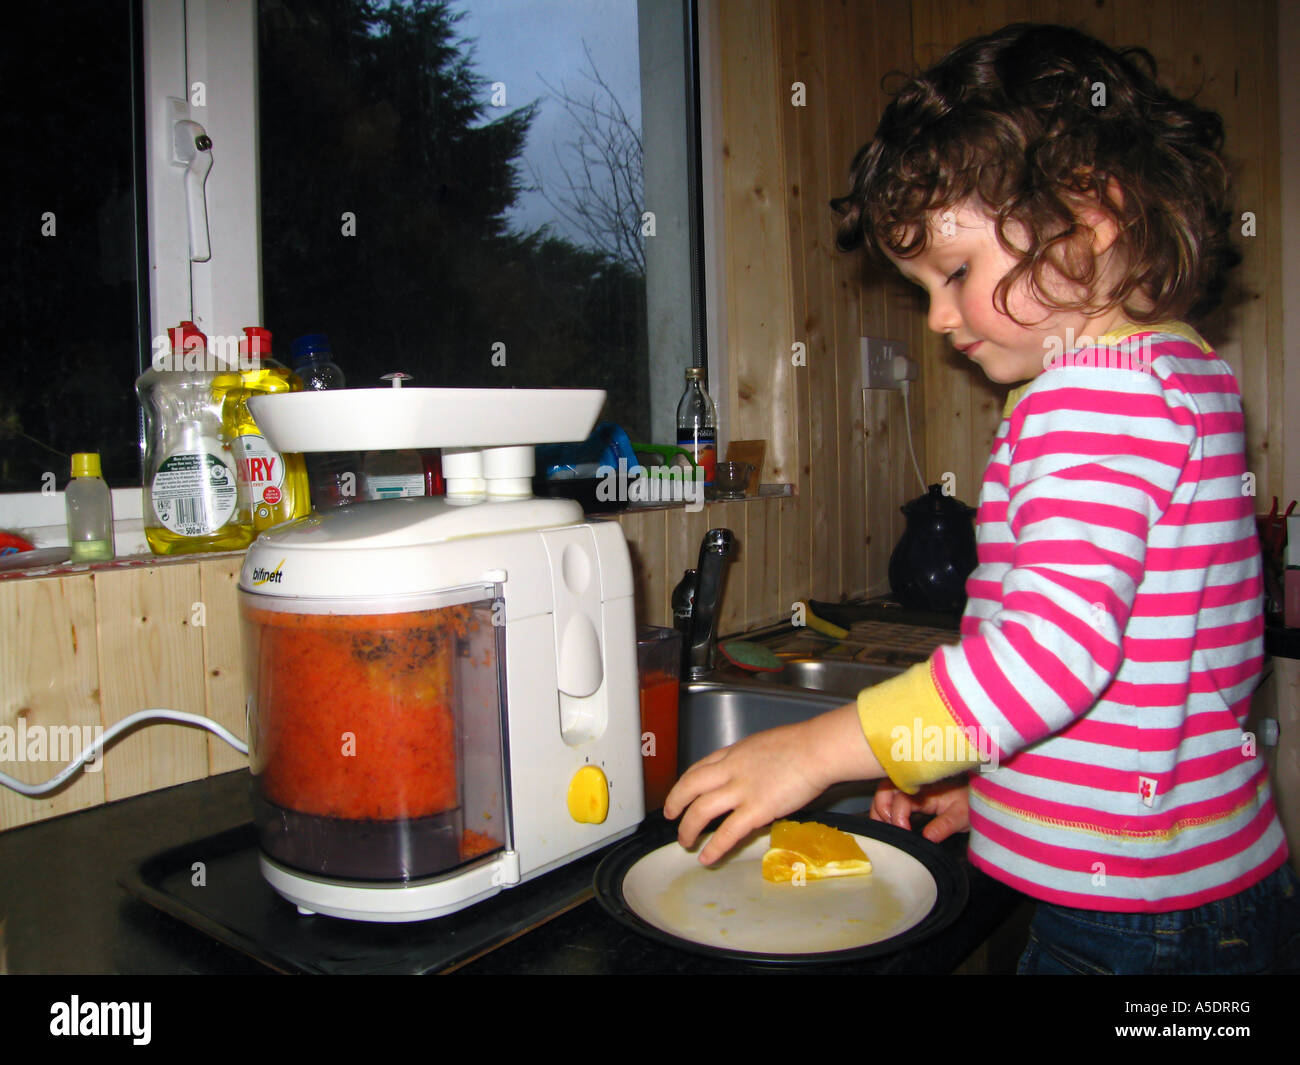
[(414, 521), (396, 549)]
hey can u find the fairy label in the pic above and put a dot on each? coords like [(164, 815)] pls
[(261, 470)]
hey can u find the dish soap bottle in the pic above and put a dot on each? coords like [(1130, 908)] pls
[(273, 488), (697, 424), (190, 492), (90, 511)]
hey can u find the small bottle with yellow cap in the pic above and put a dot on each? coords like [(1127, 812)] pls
[(90, 510)]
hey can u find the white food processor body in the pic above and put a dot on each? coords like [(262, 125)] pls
[(442, 692)]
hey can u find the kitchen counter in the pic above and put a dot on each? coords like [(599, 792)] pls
[(65, 911)]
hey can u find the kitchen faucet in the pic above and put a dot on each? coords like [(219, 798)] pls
[(703, 633)]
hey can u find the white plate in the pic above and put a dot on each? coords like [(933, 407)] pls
[(730, 906)]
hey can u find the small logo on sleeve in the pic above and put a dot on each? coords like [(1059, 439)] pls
[(1147, 791)]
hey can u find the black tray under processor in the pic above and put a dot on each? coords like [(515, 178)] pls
[(215, 885)]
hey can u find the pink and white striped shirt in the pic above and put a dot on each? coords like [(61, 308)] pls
[(1114, 634)]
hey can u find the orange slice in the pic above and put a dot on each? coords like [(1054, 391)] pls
[(809, 851)]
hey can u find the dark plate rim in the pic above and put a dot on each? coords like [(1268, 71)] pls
[(952, 891)]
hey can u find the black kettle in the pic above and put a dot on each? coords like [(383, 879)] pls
[(935, 554)]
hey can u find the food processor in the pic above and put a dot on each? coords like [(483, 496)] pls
[(441, 691)]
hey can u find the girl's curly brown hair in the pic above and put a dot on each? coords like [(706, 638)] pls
[(1028, 118)]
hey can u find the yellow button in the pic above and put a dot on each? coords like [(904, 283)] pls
[(588, 796)]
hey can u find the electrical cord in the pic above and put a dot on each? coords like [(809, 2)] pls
[(907, 420), (112, 733)]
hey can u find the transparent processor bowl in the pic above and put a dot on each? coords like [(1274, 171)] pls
[(374, 738)]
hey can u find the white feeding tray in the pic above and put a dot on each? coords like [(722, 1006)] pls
[(388, 419)]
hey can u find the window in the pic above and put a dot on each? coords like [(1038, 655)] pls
[(70, 281), (405, 211), (418, 198)]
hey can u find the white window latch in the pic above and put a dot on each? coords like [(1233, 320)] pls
[(192, 149)]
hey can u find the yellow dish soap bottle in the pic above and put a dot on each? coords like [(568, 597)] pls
[(273, 488), (190, 491)]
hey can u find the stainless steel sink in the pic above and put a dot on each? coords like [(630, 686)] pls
[(842, 678), (714, 714), (730, 704)]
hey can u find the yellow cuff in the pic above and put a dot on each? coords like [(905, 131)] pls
[(912, 734)]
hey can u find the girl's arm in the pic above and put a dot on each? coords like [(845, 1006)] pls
[(769, 775), (890, 731)]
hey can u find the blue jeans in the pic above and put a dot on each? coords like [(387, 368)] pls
[(1256, 931)]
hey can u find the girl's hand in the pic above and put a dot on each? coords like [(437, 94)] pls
[(949, 802), (766, 776)]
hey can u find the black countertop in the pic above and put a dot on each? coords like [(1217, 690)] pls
[(66, 912)]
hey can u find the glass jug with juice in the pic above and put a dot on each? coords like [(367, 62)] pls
[(659, 659)]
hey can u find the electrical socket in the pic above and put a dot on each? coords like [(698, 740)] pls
[(878, 367)]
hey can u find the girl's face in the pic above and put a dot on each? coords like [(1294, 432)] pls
[(960, 268)]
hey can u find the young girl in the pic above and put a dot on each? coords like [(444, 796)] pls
[(1065, 213)]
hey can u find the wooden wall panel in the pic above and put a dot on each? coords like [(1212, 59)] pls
[(760, 523), (758, 297), (897, 478), (793, 63), (850, 51), (838, 51), (793, 583), (1252, 340), (151, 656), (1140, 22), (746, 551), (888, 470), (962, 408), (905, 305), (1266, 349), (771, 397), (49, 685), (765, 585), (802, 49), (222, 658)]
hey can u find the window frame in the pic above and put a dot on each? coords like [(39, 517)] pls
[(204, 53)]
